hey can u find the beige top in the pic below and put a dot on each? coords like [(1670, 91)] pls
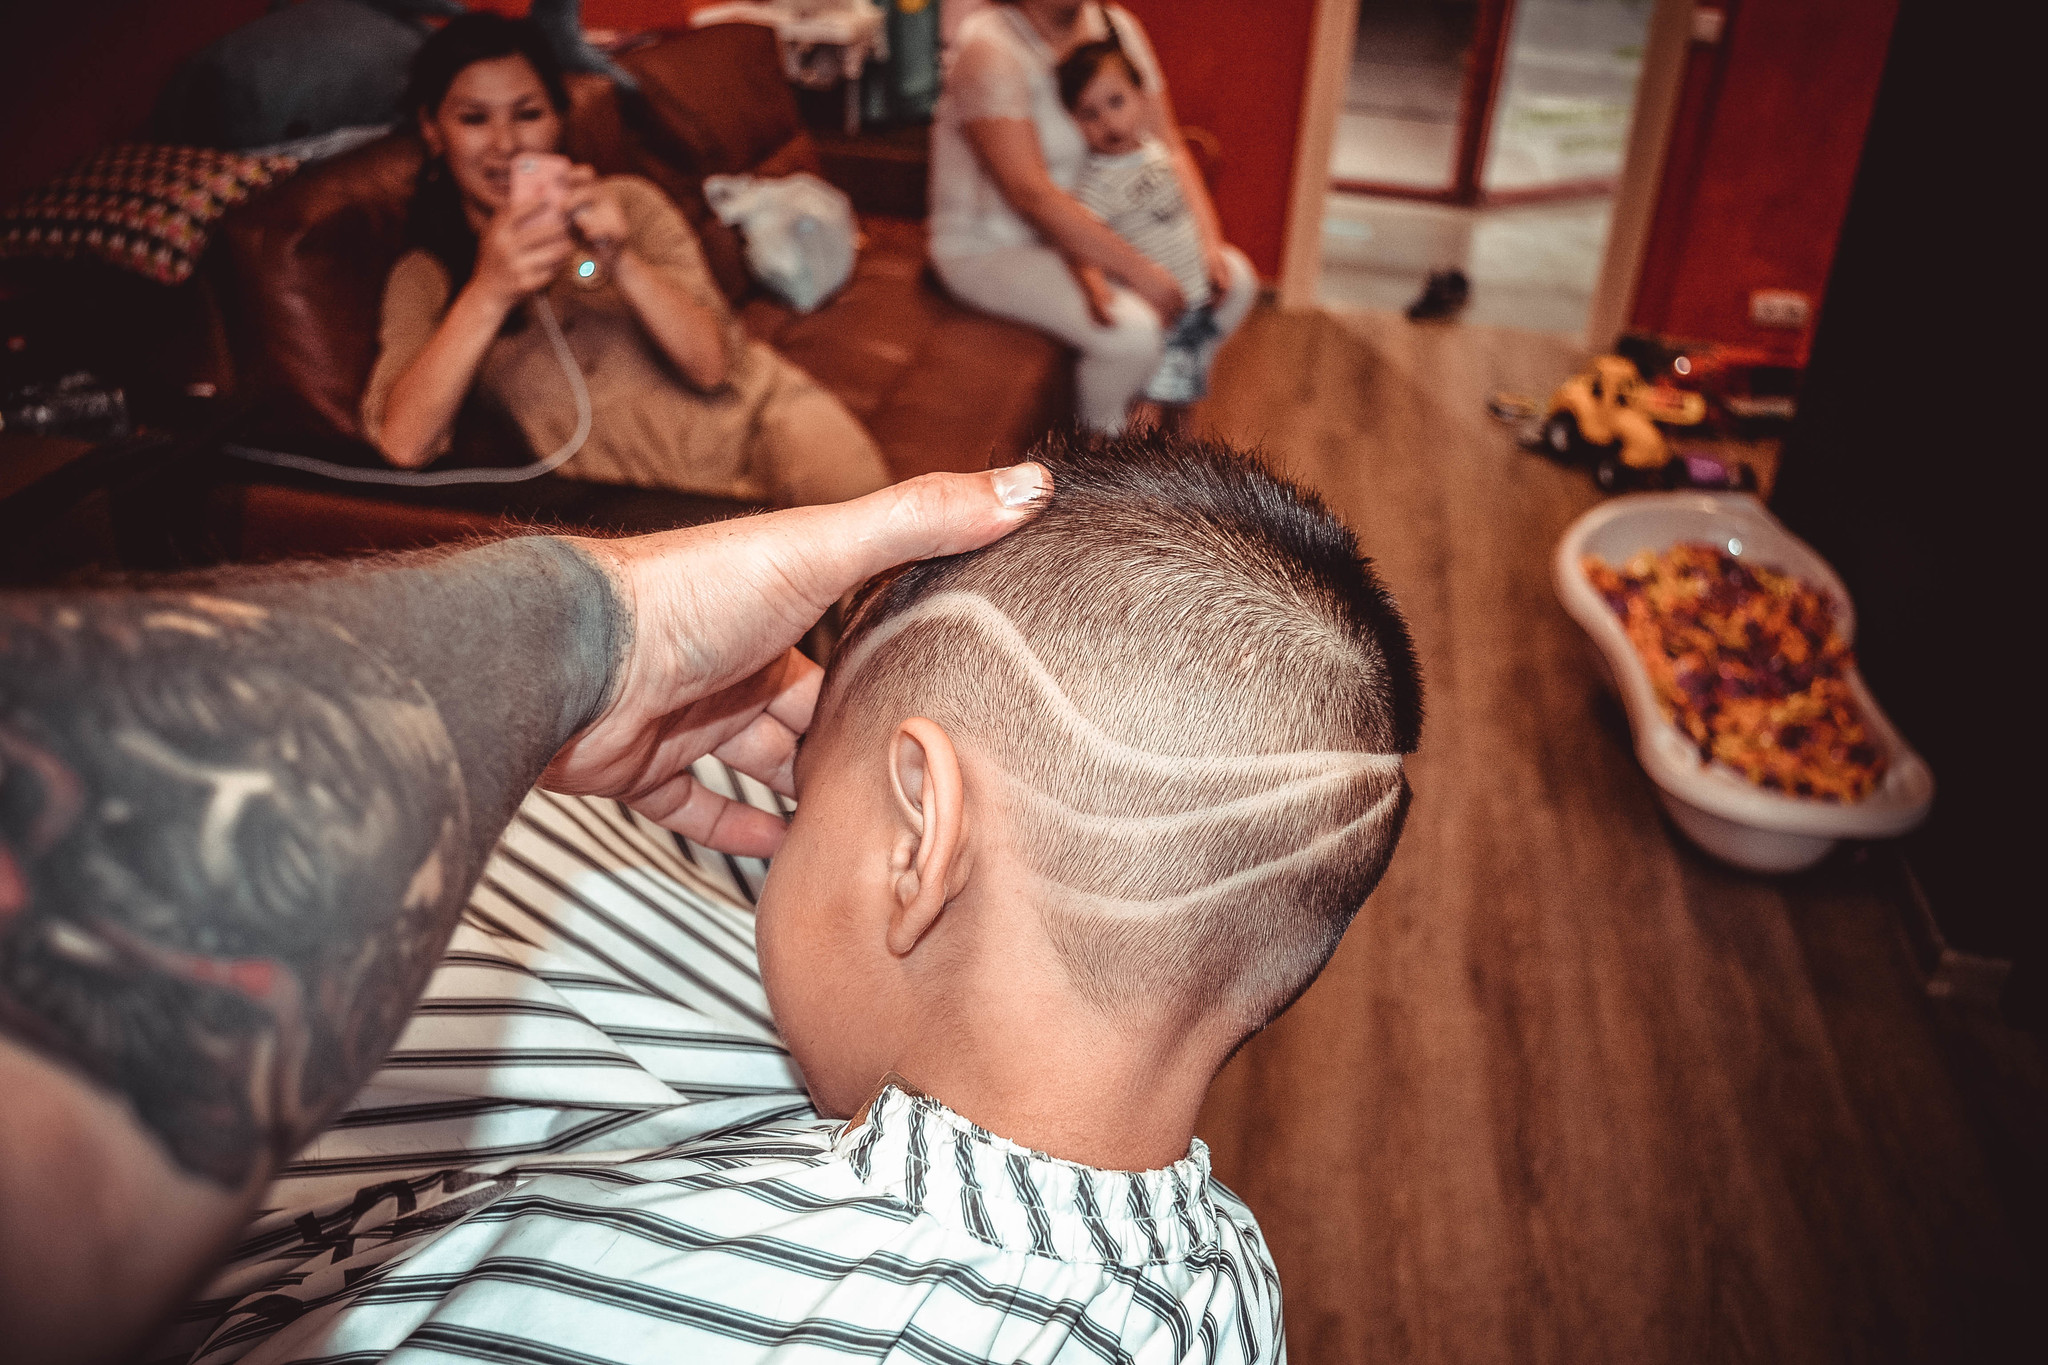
[(649, 427)]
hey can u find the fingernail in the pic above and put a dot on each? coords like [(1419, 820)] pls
[(1022, 484)]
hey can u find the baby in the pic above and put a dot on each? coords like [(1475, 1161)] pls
[(1131, 183), (1078, 814)]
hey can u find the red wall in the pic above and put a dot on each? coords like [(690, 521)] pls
[(78, 73), (1762, 158), (1240, 70)]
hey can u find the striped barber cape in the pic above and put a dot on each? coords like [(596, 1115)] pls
[(589, 1145)]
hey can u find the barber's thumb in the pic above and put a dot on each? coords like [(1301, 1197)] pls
[(1022, 486), (930, 515)]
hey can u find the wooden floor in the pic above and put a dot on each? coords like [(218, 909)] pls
[(1569, 1091)]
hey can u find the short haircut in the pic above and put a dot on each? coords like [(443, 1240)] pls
[(471, 38), (1085, 61), (1194, 694)]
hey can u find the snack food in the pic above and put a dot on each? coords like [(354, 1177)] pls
[(1747, 662)]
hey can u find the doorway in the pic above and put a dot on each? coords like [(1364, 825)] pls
[(1485, 136)]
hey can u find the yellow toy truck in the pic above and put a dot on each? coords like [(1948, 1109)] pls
[(1609, 418)]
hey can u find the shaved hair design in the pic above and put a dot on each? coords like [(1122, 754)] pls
[(1192, 697)]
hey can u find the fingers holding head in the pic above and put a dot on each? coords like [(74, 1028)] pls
[(711, 605), (932, 515), (689, 808)]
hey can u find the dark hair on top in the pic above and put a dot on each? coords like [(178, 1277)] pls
[(474, 38), (435, 222), (1085, 61), (1192, 692)]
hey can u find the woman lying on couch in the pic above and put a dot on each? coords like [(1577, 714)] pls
[(680, 397)]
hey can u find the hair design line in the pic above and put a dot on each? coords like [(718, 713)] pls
[(978, 612)]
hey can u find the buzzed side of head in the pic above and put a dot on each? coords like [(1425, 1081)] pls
[(1194, 695)]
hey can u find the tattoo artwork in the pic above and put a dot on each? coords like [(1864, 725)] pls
[(232, 844)]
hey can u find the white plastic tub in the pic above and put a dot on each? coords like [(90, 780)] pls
[(1719, 809)]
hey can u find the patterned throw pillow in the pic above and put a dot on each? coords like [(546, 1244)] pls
[(139, 206)]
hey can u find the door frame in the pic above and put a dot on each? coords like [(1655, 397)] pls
[(1333, 36), (1667, 49), (1331, 39), (1485, 58)]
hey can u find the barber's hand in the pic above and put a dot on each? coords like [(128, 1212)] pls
[(517, 257), (1156, 285), (716, 611), (594, 215)]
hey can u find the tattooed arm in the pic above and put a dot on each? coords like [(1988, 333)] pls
[(238, 823)]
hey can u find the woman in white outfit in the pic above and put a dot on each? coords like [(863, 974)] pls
[(1006, 153)]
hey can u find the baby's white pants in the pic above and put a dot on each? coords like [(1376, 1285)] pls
[(1032, 285)]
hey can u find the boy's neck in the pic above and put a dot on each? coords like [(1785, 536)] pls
[(1067, 1103), (1033, 1066)]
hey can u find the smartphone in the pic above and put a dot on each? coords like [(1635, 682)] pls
[(540, 180)]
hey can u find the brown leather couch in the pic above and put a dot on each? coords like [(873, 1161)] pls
[(300, 274)]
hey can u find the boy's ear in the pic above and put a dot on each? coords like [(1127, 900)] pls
[(928, 862)]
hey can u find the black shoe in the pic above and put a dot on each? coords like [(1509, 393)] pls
[(1444, 295)]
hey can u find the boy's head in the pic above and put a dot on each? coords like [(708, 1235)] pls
[(1100, 87), (1138, 761)]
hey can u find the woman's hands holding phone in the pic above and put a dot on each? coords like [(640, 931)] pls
[(520, 252), (527, 244), (595, 217)]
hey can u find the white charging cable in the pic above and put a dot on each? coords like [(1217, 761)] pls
[(438, 478)]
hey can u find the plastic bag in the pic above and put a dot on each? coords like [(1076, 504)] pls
[(799, 231)]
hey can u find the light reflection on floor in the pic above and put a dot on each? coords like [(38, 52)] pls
[(1566, 94), (1531, 266), (1566, 91)]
